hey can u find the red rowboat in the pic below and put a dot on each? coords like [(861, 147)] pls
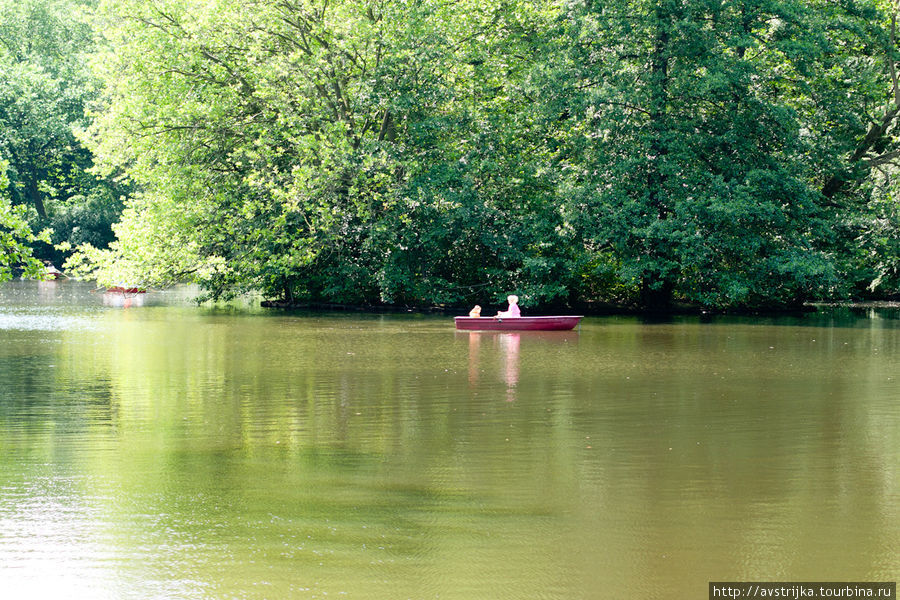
[(118, 289), (560, 323), (51, 271)]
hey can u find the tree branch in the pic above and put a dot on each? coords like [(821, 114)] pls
[(886, 158)]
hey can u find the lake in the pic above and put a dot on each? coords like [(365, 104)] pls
[(152, 448)]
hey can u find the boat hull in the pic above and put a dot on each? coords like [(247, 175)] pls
[(557, 323)]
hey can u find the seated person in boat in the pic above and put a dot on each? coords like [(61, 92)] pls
[(513, 310), (475, 312), (51, 271)]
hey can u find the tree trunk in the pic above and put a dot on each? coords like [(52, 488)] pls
[(658, 298), (34, 195)]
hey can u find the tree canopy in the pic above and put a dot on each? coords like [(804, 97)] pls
[(16, 237), (45, 84), (726, 154)]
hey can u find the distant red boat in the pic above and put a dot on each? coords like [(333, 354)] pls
[(558, 323), (124, 290), (52, 272)]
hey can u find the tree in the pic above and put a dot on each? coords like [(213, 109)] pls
[(687, 136), (16, 237), (454, 151), (45, 85), (348, 151), (256, 120)]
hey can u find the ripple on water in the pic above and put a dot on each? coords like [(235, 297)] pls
[(185, 453), (45, 320)]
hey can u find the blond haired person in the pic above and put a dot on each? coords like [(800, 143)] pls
[(513, 310)]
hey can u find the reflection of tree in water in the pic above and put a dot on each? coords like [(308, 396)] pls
[(43, 395)]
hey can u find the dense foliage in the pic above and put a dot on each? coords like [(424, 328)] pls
[(721, 153), (45, 84), (16, 237)]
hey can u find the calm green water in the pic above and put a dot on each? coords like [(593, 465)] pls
[(162, 450)]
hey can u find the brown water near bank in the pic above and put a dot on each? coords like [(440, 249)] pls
[(174, 451)]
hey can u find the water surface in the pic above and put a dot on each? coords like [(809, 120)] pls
[(152, 448)]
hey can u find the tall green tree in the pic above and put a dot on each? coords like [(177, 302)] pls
[(355, 150), (259, 121), (16, 237), (453, 151), (697, 146), (45, 86), (858, 110)]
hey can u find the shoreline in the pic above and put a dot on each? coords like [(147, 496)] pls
[(584, 309), (587, 309)]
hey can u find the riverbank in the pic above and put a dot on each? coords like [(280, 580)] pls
[(587, 308), (874, 304)]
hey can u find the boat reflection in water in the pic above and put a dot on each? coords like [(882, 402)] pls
[(474, 347), (48, 289), (123, 299), (509, 345), (506, 346)]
